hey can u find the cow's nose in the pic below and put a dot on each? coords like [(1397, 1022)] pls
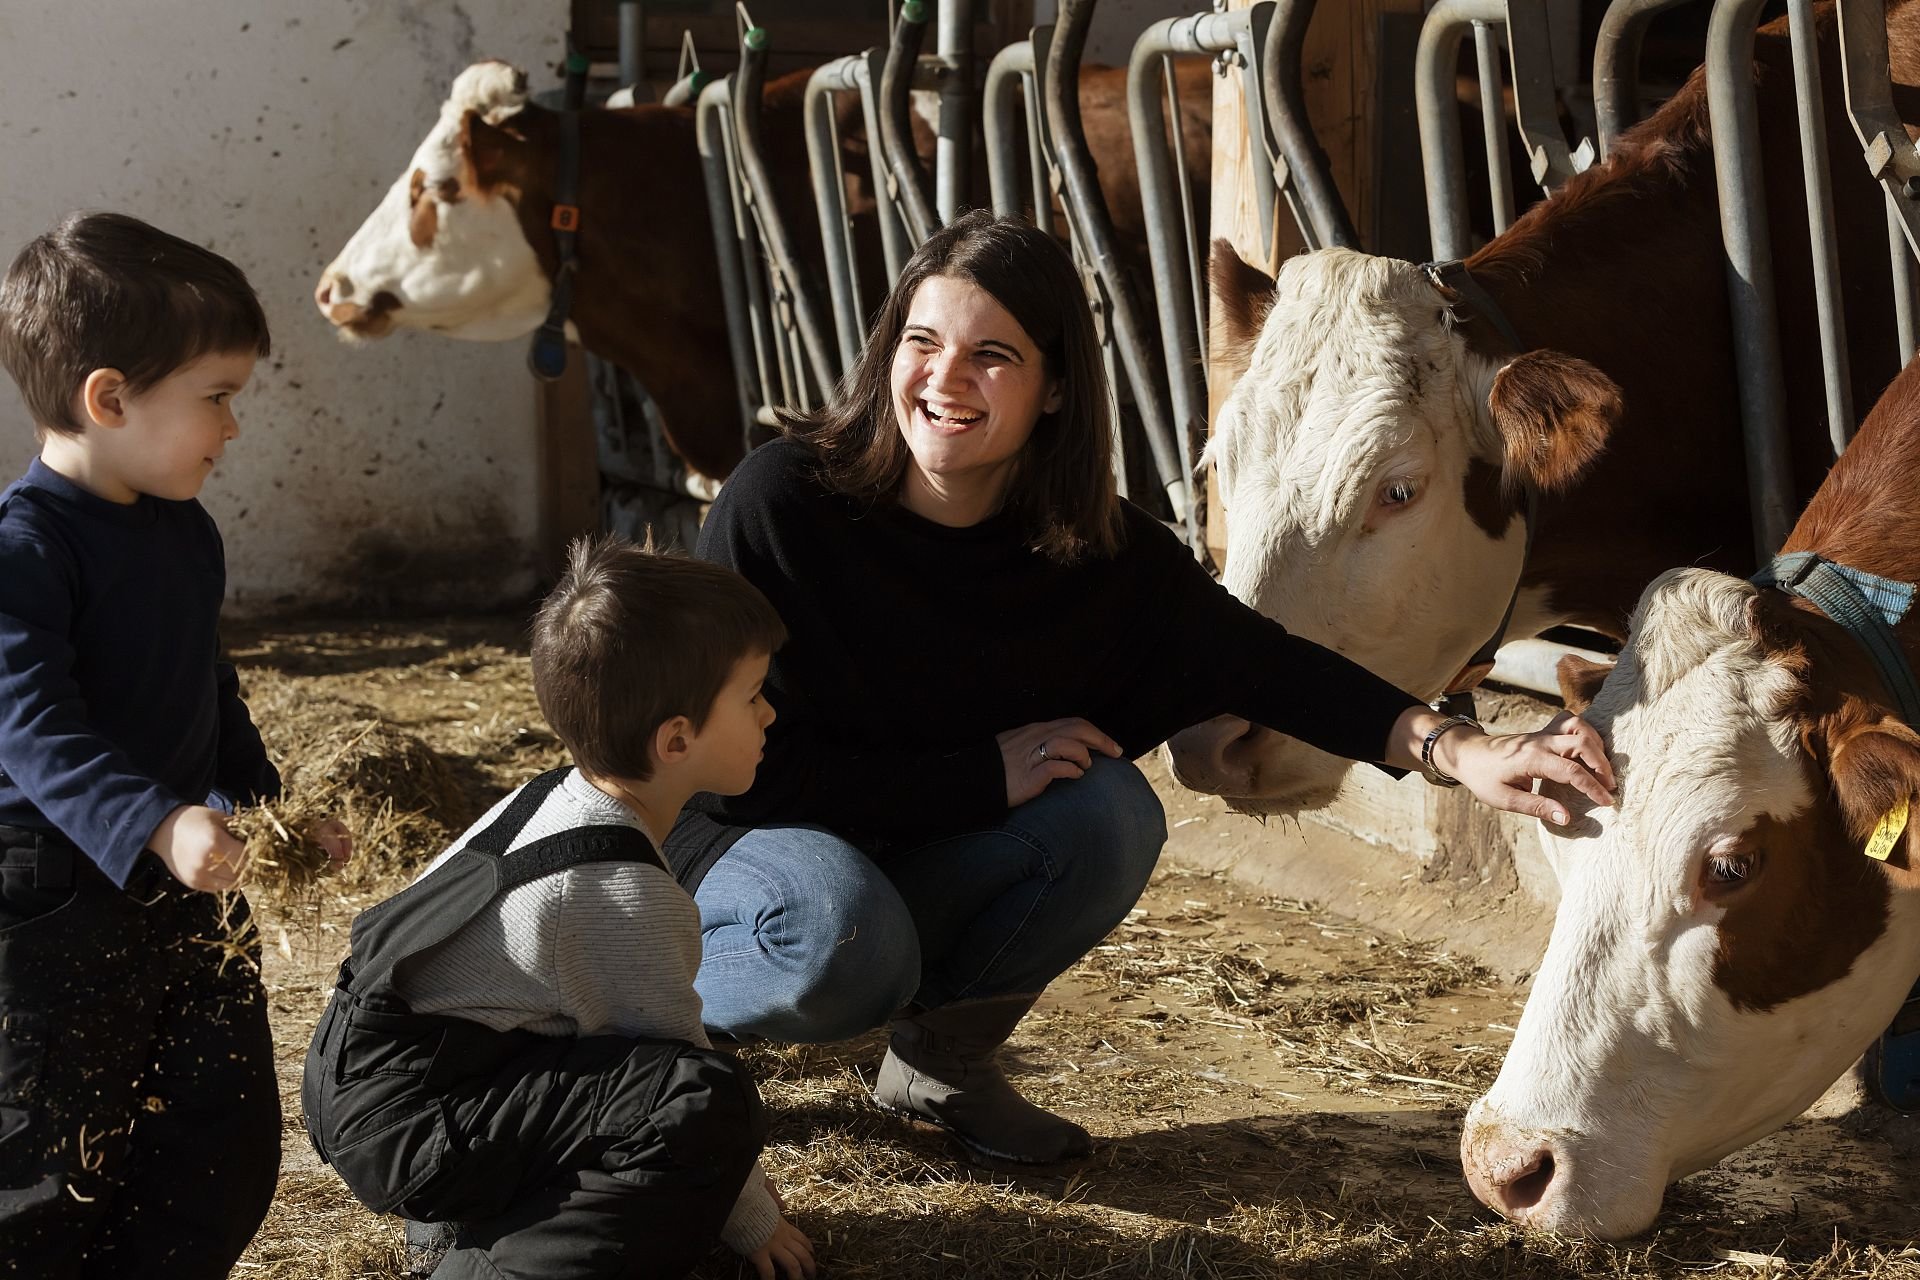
[(1218, 756), (1511, 1173), (331, 295)]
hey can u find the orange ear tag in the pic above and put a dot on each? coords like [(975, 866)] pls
[(1887, 834)]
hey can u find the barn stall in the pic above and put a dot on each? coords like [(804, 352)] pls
[(1289, 1080)]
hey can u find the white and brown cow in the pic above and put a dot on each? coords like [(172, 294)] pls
[(1724, 948), (461, 243), (1371, 456)]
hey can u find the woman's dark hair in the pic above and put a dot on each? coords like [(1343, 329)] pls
[(1062, 491)]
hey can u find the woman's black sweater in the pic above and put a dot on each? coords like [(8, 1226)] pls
[(912, 644)]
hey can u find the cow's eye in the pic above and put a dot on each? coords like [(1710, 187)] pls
[(1724, 873), (1398, 493)]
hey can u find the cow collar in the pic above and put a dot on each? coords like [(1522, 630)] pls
[(548, 355), (1454, 278), (1866, 607)]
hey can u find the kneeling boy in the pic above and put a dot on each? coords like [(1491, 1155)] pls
[(515, 1043)]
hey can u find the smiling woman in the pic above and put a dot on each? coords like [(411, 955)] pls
[(982, 636)]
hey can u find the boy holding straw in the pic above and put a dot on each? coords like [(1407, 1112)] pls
[(139, 1116), (515, 1043)]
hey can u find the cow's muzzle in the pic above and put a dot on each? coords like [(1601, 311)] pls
[(335, 295)]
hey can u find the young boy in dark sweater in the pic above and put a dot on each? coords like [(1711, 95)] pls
[(515, 1044), (139, 1116)]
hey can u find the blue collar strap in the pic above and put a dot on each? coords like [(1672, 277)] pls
[(1865, 605)]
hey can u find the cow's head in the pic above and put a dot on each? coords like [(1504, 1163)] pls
[(445, 250), (1372, 463), (1723, 947)]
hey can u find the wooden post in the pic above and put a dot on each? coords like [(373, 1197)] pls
[(1341, 72), (569, 469)]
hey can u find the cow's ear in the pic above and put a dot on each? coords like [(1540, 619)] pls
[(1873, 764), (1243, 296), (1580, 681), (1554, 413), (490, 156)]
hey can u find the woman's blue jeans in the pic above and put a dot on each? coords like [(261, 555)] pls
[(806, 940)]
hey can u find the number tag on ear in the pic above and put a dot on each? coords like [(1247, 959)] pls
[(1887, 834)]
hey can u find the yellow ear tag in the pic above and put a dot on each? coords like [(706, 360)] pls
[(1887, 834)]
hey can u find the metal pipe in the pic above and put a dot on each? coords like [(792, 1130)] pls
[(686, 91), (1093, 228), (830, 201), (1750, 289), (792, 279), (1616, 66), (893, 230), (1442, 155), (1166, 241), (1005, 81), (1892, 157), (633, 42), (1905, 303), (712, 111), (1824, 238), (1293, 132), (1493, 125), (1189, 223), (906, 180), (1536, 109), (953, 143), (1039, 139)]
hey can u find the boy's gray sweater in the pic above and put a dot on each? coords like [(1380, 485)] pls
[(606, 949)]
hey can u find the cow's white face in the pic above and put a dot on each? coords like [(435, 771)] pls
[(443, 251), (1369, 488), (1722, 951)]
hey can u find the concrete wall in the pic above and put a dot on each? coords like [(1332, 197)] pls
[(397, 471)]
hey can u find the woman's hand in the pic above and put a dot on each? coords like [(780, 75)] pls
[(1036, 754), (1500, 768), (787, 1255)]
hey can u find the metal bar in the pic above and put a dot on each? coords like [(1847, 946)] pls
[(1201, 34), (1616, 66), (1891, 156), (1493, 124), (1743, 231), (1087, 209), (1039, 138), (792, 278), (905, 178), (633, 42), (1442, 155), (1307, 165), (1535, 104), (1822, 234), (1189, 219), (830, 201), (893, 230), (1264, 165), (1006, 77), (953, 143), (709, 123), (1905, 304)]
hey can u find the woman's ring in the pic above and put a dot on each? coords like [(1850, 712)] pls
[(1043, 753)]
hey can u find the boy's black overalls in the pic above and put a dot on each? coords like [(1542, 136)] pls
[(559, 1157)]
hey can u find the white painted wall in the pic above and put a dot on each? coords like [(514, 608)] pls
[(266, 129)]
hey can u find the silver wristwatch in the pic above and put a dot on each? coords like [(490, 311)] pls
[(1427, 766)]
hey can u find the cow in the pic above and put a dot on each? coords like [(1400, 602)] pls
[(1724, 946), (1373, 456), (461, 243)]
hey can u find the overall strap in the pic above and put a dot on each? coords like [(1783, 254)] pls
[(497, 836)]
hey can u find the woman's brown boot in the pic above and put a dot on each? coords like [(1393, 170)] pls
[(940, 1068)]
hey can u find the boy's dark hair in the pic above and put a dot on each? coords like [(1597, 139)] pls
[(630, 638), (106, 291)]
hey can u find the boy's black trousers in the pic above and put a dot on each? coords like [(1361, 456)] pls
[(559, 1158), (139, 1115)]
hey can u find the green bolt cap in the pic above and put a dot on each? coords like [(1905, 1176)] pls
[(700, 79), (913, 11), (756, 38), (577, 64)]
